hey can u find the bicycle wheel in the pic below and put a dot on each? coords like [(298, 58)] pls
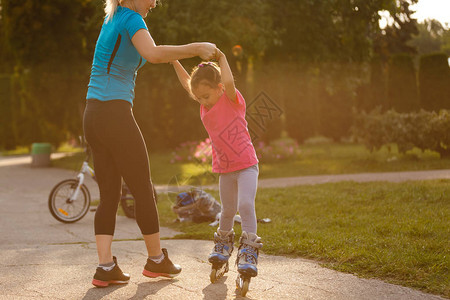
[(127, 202), (62, 208)]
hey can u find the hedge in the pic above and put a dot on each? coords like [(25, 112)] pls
[(402, 84), (434, 82)]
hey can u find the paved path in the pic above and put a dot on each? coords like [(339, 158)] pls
[(320, 179), (41, 258)]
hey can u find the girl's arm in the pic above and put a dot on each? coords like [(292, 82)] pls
[(227, 76), (183, 75), (144, 44)]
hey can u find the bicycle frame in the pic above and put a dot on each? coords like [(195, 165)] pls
[(85, 168)]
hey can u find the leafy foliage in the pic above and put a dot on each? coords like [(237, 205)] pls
[(429, 37), (47, 56), (309, 55), (424, 130), (395, 38), (331, 30)]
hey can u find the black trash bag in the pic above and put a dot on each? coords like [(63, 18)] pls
[(196, 206)]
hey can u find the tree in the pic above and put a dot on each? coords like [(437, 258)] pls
[(49, 62), (317, 43), (330, 30), (225, 23), (394, 39), (429, 37), (163, 109), (48, 47), (445, 46)]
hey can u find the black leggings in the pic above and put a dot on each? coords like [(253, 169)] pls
[(119, 150)]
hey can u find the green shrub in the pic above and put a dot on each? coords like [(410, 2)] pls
[(424, 130), (434, 82)]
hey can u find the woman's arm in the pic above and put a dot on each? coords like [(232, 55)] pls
[(183, 75), (144, 44), (227, 76)]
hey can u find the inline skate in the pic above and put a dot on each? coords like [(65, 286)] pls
[(224, 244), (247, 260)]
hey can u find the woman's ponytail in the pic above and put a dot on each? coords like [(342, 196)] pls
[(110, 8)]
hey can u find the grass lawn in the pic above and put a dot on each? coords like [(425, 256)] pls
[(398, 232), (314, 160)]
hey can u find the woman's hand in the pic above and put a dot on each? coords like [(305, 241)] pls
[(218, 54), (207, 51)]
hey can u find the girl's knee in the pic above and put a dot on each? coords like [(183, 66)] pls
[(246, 207), (228, 213)]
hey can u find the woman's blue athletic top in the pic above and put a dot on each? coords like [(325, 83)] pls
[(116, 61)]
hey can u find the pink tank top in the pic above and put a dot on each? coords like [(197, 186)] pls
[(232, 148)]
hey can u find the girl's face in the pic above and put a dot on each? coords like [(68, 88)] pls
[(144, 6), (206, 95)]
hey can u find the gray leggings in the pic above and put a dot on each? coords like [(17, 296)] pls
[(238, 188)]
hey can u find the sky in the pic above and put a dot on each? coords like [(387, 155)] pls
[(425, 9), (433, 9)]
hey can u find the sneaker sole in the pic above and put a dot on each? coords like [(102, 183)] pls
[(101, 283), (154, 275)]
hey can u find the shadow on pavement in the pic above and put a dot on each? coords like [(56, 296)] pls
[(217, 290), (98, 293), (151, 288), (144, 289)]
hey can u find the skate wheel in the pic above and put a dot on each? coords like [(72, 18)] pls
[(244, 288), (242, 285), (213, 275)]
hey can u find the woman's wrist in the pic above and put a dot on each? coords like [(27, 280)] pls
[(221, 55), (195, 48)]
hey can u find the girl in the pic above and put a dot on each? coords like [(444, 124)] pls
[(222, 111), (123, 46)]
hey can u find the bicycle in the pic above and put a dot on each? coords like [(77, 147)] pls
[(70, 199)]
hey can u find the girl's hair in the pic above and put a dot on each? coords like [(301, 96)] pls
[(206, 73), (110, 8)]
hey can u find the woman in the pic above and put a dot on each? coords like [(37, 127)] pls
[(118, 148)]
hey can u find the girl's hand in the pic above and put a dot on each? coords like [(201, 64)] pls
[(206, 51)]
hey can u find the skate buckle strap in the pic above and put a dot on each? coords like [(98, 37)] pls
[(219, 247), (221, 243), (253, 244), (249, 254)]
